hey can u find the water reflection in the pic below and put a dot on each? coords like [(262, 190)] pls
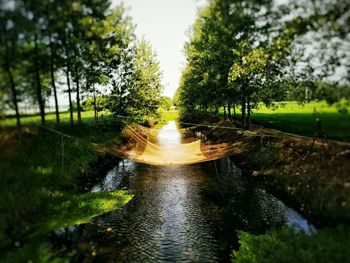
[(181, 213), (169, 134), (115, 177)]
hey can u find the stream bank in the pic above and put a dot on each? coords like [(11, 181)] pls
[(312, 176), (43, 189), (189, 213)]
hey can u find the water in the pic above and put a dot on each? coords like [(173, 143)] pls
[(178, 214)]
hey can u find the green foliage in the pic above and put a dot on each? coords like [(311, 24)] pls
[(242, 54), (165, 103), (140, 96), (101, 104), (92, 44), (265, 156), (327, 245), (34, 253), (35, 169), (146, 86), (306, 91)]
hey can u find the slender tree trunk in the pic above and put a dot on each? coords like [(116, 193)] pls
[(78, 97), (243, 112), (234, 114), (78, 88), (69, 97), (14, 97), (52, 71), (38, 81), (229, 111), (249, 123), (13, 86), (224, 111), (95, 107), (97, 112)]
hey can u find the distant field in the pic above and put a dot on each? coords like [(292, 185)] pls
[(170, 115), (87, 117), (287, 116), (300, 119)]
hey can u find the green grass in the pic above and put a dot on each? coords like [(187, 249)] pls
[(170, 115), (327, 245), (76, 209), (38, 196), (300, 119), (167, 116), (87, 117)]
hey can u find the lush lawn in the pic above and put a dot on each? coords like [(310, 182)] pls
[(87, 117), (301, 119), (170, 115), (39, 179)]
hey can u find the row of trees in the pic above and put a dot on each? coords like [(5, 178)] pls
[(83, 48), (242, 53)]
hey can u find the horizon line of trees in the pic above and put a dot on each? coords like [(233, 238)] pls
[(86, 47), (243, 53)]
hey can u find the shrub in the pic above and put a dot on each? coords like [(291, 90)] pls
[(327, 245)]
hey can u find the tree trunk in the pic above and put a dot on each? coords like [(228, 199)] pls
[(229, 111), (78, 97), (249, 123), (78, 88), (13, 86), (69, 97), (14, 98), (95, 107), (224, 111), (243, 112), (234, 114), (38, 81), (52, 69)]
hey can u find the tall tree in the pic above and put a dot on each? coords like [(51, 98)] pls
[(145, 87), (9, 52)]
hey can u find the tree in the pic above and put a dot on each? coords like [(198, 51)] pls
[(9, 53), (242, 52), (145, 86), (165, 103)]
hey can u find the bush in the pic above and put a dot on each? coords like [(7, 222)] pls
[(327, 245)]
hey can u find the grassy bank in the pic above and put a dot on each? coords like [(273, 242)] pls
[(312, 177), (297, 118), (301, 119), (327, 245), (39, 186), (33, 120)]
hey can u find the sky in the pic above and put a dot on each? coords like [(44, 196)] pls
[(164, 24)]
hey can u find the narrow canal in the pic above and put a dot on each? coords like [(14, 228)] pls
[(178, 214)]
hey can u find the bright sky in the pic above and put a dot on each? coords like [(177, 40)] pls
[(164, 23)]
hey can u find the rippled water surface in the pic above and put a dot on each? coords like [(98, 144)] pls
[(178, 214)]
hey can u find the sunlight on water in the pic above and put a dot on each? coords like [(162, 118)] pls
[(169, 134), (185, 213)]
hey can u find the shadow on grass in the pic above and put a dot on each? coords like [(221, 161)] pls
[(334, 126), (327, 245), (39, 192)]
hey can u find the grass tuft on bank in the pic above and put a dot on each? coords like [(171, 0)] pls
[(40, 191), (327, 245)]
